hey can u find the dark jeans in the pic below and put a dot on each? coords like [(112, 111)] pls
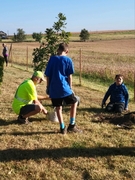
[(6, 59), (115, 107)]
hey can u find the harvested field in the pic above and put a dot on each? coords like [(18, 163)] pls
[(121, 47)]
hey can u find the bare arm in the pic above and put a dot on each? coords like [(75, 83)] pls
[(43, 97), (70, 80), (43, 110)]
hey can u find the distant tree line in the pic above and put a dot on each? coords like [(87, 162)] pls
[(20, 36)]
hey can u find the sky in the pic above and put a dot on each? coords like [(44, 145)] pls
[(92, 15)]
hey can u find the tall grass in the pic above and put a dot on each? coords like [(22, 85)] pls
[(106, 66)]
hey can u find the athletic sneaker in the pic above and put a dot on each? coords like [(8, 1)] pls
[(73, 128), (63, 131), (22, 120)]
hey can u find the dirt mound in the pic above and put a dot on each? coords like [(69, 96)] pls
[(128, 119), (123, 120)]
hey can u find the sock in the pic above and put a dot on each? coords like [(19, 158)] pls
[(72, 121), (62, 125)]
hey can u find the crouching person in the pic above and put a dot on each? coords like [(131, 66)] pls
[(118, 94), (26, 102)]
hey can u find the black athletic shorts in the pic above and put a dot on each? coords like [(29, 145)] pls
[(68, 100), (27, 109)]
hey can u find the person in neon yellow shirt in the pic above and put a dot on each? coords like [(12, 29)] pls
[(26, 101)]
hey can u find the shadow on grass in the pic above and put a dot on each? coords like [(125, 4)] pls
[(9, 122), (90, 109), (29, 133), (6, 123), (27, 154), (94, 110)]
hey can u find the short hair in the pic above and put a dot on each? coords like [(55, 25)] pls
[(63, 47), (118, 76)]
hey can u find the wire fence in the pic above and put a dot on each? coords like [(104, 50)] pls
[(95, 64)]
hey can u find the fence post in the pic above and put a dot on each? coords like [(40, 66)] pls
[(10, 52), (27, 58), (80, 79), (134, 86)]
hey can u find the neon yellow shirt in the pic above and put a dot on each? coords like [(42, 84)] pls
[(25, 94)]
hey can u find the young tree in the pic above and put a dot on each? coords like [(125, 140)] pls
[(53, 36), (14, 38), (37, 36), (20, 36), (84, 35)]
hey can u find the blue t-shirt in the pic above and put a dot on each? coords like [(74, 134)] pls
[(58, 69)]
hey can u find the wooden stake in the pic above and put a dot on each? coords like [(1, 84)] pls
[(27, 59), (134, 86), (80, 79), (10, 53)]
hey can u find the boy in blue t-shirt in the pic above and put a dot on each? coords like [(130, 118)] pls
[(119, 96), (59, 72)]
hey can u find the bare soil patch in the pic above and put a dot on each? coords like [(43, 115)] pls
[(126, 121)]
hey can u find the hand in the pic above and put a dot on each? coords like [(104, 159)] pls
[(47, 90), (44, 111)]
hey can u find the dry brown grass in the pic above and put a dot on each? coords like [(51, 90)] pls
[(121, 47), (38, 152)]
